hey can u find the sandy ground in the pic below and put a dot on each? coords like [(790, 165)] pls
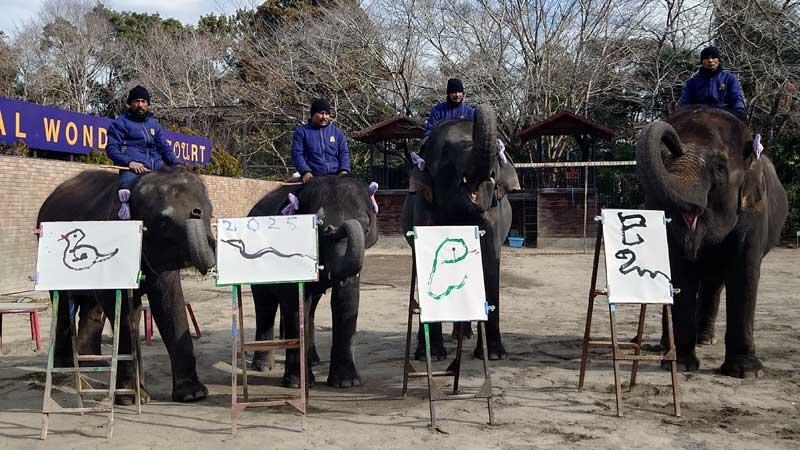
[(536, 404)]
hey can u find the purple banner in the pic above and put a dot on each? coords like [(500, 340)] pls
[(59, 130)]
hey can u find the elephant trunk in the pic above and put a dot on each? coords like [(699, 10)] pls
[(201, 245), (484, 138), (686, 192), (348, 249)]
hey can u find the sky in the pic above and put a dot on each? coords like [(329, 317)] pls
[(13, 13)]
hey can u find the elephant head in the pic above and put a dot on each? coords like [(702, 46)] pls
[(700, 168), (349, 225), (174, 206), (462, 172)]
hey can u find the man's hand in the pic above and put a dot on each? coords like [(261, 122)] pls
[(137, 167), (342, 173), (307, 177)]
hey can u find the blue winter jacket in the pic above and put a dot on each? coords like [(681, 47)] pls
[(320, 150), (447, 110), (142, 140), (717, 90)]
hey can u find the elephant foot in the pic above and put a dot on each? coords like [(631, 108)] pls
[(189, 391), (344, 375), (495, 349), (130, 399), (292, 379), (706, 339), (438, 352), (687, 362), (313, 356), (743, 366), (263, 361), (462, 329)]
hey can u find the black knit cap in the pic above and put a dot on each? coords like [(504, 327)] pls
[(710, 52), (138, 92), (454, 85), (319, 105)]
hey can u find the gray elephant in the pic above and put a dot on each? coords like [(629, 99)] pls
[(348, 227), (174, 206), (728, 207), (464, 181)]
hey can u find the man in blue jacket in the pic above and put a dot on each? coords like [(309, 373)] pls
[(319, 147), (136, 140), (454, 107), (714, 87)]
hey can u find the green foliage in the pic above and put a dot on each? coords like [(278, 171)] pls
[(95, 157), (785, 154), (223, 164), (17, 149)]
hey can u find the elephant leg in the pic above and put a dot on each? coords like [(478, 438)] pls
[(491, 278), (90, 324), (290, 316), (438, 352), (462, 329), (740, 306), (266, 305), (313, 356), (344, 312), (684, 312), (169, 311), (708, 307), (63, 339)]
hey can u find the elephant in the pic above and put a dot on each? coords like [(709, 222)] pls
[(347, 228), (464, 181), (701, 168), (175, 209)]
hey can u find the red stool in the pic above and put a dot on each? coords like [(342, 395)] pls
[(32, 310), (148, 322)]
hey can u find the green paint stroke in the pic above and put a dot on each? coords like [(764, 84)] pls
[(464, 251)]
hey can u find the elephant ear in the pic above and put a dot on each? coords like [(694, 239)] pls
[(421, 183), (507, 180), (752, 191)]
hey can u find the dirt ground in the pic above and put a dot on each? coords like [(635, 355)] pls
[(536, 404)]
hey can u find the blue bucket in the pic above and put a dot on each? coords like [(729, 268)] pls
[(516, 241)]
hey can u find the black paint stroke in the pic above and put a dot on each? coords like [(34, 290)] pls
[(631, 257), (642, 223), (239, 245), (82, 252)]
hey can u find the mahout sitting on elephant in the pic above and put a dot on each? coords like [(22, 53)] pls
[(348, 227), (174, 206), (703, 169), (463, 180)]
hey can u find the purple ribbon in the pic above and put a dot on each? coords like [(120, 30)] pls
[(124, 209), (292, 207), (757, 147), (373, 188), (418, 161)]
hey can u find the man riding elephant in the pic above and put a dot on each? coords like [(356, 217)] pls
[(703, 168), (348, 227), (174, 206), (463, 180)]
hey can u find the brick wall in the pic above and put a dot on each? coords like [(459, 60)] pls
[(390, 207), (560, 212), (26, 182)]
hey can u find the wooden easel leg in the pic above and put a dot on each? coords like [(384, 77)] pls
[(430, 373), (303, 350), (455, 366), (482, 327), (590, 308), (409, 328), (73, 332), (612, 309), (676, 394), (234, 354), (243, 355), (638, 341), (112, 383), (48, 384)]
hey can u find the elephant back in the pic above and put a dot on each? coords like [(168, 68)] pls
[(90, 195)]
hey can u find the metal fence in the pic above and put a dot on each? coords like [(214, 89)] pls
[(556, 209)]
